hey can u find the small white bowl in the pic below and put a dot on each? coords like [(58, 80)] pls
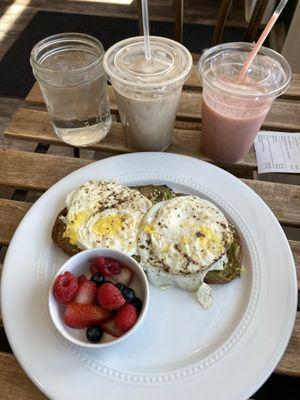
[(79, 264)]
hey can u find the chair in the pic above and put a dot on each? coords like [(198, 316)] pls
[(178, 5)]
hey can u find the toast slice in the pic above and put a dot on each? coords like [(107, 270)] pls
[(57, 233), (232, 269), (153, 193)]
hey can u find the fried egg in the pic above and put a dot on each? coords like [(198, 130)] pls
[(180, 240), (105, 214)]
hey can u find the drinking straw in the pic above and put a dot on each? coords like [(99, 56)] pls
[(146, 29), (261, 39)]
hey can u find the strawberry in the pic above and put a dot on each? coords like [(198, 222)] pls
[(110, 297), (123, 277), (65, 288), (107, 266), (81, 279), (111, 328), (82, 315), (87, 293), (126, 317)]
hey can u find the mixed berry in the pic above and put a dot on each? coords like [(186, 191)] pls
[(103, 303)]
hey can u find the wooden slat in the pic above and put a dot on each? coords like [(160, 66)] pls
[(194, 82), (295, 247), (1, 266), (283, 115), (34, 125), (7, 108), (290, 362), (20, 169), (39, 172), (11, 213), (14, 383), (283, 199), (35, 96), (203, 13), (16, 17), (8, 37)]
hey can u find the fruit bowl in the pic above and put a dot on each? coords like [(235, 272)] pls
[(80, 264)]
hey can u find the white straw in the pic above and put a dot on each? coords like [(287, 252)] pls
[(146, 29), (260, 41)]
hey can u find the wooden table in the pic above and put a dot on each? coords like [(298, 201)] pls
[(36, 171)]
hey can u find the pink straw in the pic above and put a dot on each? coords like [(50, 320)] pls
[(261, 39)]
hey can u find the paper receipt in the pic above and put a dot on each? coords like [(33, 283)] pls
[(277, 152)]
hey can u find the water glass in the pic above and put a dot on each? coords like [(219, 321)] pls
[(69, 70)]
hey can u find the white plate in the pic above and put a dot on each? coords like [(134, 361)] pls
[(226, 352)]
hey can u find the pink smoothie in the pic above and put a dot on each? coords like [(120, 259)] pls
[(228, 138)]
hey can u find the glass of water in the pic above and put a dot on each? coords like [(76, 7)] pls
[(69, 69)]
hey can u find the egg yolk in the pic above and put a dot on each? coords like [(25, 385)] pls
[(166, 248), (78, 220), (109, 225), (207, 236), (148, 228), (185, 240)]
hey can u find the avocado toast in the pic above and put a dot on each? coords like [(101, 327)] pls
[(231, 269)]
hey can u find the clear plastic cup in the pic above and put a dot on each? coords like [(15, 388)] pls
[(233, 112), (148, 92), (69, 69)]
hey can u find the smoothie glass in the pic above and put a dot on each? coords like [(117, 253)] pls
[(148, 92), (232, 111)]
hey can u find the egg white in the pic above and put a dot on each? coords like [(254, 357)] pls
[(180, 240), (105, 214), (187, 234), (118, 235)]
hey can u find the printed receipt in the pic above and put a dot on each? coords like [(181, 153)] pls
[(277, 152)]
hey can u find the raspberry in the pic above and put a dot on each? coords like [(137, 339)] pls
[(126, 317), (110, 297), (107, 266), (81, 279), (65, 287), (83, 315)]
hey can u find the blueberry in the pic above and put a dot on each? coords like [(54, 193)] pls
[(128, 294), (98, 278), (138, 304), (94, 333), (120, 286)]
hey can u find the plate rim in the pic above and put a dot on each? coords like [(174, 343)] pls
[(77, 172)]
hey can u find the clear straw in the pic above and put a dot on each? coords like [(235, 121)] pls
[(261, 39), (146, 29)]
